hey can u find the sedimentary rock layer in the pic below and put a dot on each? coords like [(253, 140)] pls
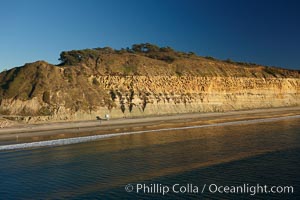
[(143, 95)]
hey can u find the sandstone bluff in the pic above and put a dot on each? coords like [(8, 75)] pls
[(138, 81)]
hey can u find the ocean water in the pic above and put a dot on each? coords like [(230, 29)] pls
[(240, 154)]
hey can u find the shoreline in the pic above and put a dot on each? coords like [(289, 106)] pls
[(83, 139), (64, 130)]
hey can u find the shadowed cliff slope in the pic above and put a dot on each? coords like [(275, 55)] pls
[(142, 80)]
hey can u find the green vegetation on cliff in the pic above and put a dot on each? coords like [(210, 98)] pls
[(149, 59)]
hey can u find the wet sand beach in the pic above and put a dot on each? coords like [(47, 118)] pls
[(63, 130)]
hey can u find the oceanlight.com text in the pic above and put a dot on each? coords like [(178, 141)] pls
[(189, 188)]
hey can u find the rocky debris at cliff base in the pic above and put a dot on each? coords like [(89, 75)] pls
[(4, 123)]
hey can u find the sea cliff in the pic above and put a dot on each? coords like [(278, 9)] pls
[(135, 82)]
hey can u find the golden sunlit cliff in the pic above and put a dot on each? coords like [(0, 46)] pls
[(143, 80)]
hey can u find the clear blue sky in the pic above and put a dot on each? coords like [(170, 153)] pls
[(261, 31)]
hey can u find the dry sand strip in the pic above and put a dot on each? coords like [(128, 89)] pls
[(76, 140)]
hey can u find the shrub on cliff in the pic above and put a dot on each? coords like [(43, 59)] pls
[(76, 56), (145, 48)]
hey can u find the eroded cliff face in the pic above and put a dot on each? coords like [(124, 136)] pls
[(160, 94), (143, 95), (144, 80)]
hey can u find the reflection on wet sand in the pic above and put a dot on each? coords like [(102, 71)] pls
[(127, 125), (75, 140)]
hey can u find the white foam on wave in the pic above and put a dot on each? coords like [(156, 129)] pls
[(76, 140)]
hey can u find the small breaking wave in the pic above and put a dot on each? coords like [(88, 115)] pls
[(67, 141)]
